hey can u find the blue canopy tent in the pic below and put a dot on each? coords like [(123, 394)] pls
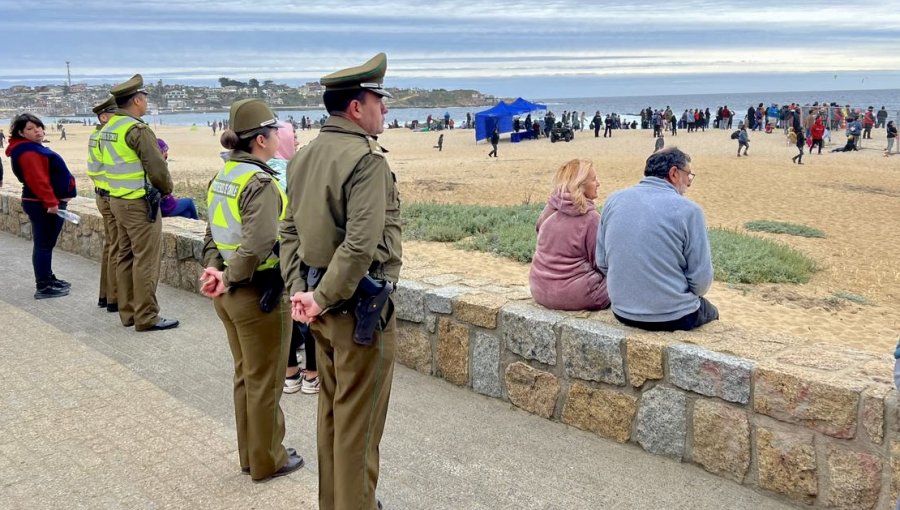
[(501, 116)]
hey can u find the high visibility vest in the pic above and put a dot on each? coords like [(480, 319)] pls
[(94, 165), (224, 212), (119, 162)]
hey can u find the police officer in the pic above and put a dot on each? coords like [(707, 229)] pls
[(95, 172), (136, 172), (244, 205), (343, 226)]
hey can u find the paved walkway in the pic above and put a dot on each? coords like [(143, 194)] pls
[(94, 415)]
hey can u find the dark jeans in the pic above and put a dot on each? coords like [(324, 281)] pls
[(300, 333), (706, 313), (45, 229)]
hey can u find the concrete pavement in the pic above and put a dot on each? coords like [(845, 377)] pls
[(94, 415)]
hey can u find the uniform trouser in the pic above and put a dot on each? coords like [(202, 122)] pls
[(259, 344), (137, 263), (355, 386), (110, 251)]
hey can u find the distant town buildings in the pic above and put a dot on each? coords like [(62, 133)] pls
[(79, 98)]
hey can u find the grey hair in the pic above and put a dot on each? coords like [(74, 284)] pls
[(659, 163)]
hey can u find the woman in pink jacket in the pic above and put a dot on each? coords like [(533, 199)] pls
[(563, 274)]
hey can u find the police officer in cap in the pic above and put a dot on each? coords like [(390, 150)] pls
[(95, 172), (242, 275), (342, 231), (136, 172)]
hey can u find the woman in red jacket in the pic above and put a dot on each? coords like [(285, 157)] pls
[(47, 185), (818, 133)]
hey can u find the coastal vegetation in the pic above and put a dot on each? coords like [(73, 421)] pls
[(508, 231), (780, 227)]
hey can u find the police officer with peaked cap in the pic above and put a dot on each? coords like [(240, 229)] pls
[(342, 227), (136, 172), (242, 275), (107, 299)]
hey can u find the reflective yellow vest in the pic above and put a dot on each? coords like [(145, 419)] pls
[(119, 162), (224, 212), (94, 164)]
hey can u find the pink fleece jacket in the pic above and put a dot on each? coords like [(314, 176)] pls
[(563, 275)]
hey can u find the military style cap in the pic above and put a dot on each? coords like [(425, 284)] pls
[(107, 106), (249, 114), (129, 88), (369, 76)]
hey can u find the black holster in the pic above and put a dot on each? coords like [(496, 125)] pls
[(271, 287), (371, 297), (153, 198)]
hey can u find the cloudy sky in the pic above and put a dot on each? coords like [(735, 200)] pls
[(554, 48)]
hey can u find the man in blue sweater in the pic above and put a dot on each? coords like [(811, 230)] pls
[(653, 248)]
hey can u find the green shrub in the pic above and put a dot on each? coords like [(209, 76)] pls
[(740, 258), (853, 298), (780, 227)]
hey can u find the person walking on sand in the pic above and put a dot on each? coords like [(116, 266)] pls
[(495, 139), (743, 139), (801, 142)]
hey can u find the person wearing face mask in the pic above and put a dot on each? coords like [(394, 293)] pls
[(563, 274), (653, 248), (306, 379), (242, 275), (47, 186)]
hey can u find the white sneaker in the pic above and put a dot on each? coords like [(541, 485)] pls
[(293, 384), (309, 387)]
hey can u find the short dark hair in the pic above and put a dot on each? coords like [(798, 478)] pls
[(337, 101), (659, 163), (123, 101), (18, 124)]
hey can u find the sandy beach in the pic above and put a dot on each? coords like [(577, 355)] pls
[(854, 198)]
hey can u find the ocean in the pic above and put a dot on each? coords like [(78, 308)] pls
[(628, 107)]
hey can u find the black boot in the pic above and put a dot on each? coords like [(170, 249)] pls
[(48, 290)]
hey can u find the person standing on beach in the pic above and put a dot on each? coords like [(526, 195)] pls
[(495, 139), (653, 247), (818, 133), (891, 139), (2, 138), (743, 139), (868, 123), (609, 125), (881, 118), (108, 289), (341, 244), (596, 122), (137, 174)]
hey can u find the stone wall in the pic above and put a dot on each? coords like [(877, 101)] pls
[(815, 425)]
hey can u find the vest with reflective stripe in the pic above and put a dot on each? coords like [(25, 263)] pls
[(224, 212), (94, 165), (119, 162)]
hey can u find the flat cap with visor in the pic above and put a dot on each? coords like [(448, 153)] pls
[(248, 115), (129, 88), (369, 76), (108, 106)]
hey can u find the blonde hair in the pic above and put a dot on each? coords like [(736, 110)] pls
[(570, 179)]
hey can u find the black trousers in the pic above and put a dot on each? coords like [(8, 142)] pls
[(45, 229), (300, 334), (705, 314)]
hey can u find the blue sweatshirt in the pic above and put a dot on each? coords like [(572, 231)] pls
[(653, 246)]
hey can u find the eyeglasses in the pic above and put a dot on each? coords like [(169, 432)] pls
[(691, 175)]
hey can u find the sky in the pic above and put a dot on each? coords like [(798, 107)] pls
[(553, 48)]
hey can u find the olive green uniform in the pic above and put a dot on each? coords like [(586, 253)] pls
[(110, 252), (344, 215), (259, 341), (137, 263)]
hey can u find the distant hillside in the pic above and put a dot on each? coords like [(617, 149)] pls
[(438, 98)]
